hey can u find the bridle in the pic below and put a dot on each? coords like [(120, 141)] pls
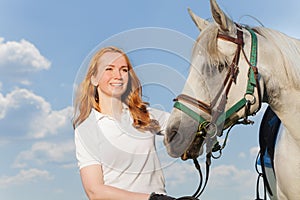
[(208, 130)]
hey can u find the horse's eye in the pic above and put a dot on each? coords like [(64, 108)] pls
[(221, 67)]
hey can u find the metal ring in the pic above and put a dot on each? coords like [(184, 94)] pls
[(250, 98), (217, 157), (209, 127)]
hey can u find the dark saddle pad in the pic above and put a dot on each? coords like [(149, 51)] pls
[(268, 132)]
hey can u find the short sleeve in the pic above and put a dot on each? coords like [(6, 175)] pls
[(84, 158)]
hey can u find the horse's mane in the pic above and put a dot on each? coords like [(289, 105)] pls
[(289, 49)]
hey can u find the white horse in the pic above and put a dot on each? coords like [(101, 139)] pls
[(234, 69)]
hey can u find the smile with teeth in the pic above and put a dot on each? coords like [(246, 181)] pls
[(116, 84)]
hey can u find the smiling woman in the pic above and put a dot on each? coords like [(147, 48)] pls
[(115, 132), (112, 77), (105, 88)]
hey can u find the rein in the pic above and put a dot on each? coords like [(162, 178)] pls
[(207, 130)]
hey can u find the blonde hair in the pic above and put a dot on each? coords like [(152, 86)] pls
[(86, 95)]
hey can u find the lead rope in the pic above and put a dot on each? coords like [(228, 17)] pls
[(200, 189), (209, 155), (217, 147)]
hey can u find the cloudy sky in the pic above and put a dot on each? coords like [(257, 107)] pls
[(44, 46)]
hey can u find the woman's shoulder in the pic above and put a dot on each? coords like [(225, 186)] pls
[(88, 123), (88, 131)]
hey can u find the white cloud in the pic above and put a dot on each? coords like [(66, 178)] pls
[(50, 122), (230, 175), (18, 60), (23, 56), (183, 171), (46, 152), (224, 180), (3, 106), (23, 177), (32, 115), (18, 98)]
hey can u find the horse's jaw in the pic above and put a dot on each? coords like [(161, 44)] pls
[(180, 133)]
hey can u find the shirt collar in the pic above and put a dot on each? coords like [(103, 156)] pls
[(100, 115)]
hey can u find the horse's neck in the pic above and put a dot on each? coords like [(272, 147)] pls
[(280, 71), (287, 107)]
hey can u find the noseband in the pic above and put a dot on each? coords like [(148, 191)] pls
[(207, 130)]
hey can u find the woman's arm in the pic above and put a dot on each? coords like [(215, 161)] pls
[(161, 116), (92, 180)]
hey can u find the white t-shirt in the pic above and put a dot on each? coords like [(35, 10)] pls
[(128, 157)]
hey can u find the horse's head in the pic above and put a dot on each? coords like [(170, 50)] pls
[(221, 89)]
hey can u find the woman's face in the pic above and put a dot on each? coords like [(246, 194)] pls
[(112, 76)]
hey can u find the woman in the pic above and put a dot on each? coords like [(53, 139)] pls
[(114, 132)]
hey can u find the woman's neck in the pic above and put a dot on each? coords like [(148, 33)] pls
[(111, 106)]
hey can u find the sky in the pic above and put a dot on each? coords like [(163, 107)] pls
[(44, 48)]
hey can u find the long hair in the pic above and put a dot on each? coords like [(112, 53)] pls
[(87, 95)]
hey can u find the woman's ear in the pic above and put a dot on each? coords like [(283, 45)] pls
[(94, 81)]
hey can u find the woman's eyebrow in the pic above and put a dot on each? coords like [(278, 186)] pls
[(123, 66), (112, 65)]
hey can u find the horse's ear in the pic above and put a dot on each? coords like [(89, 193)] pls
[(200, 23), (220, 17)]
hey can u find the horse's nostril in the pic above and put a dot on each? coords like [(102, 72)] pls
[(171, 134)]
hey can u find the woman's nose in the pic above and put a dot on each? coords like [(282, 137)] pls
[(117, 74)]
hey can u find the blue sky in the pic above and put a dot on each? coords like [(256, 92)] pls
[(43, 45)]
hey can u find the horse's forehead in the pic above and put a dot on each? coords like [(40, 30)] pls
[(205, 56), (208, 36)]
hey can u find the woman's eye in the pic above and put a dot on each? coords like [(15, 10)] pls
[(125, 70), (108, 68)]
